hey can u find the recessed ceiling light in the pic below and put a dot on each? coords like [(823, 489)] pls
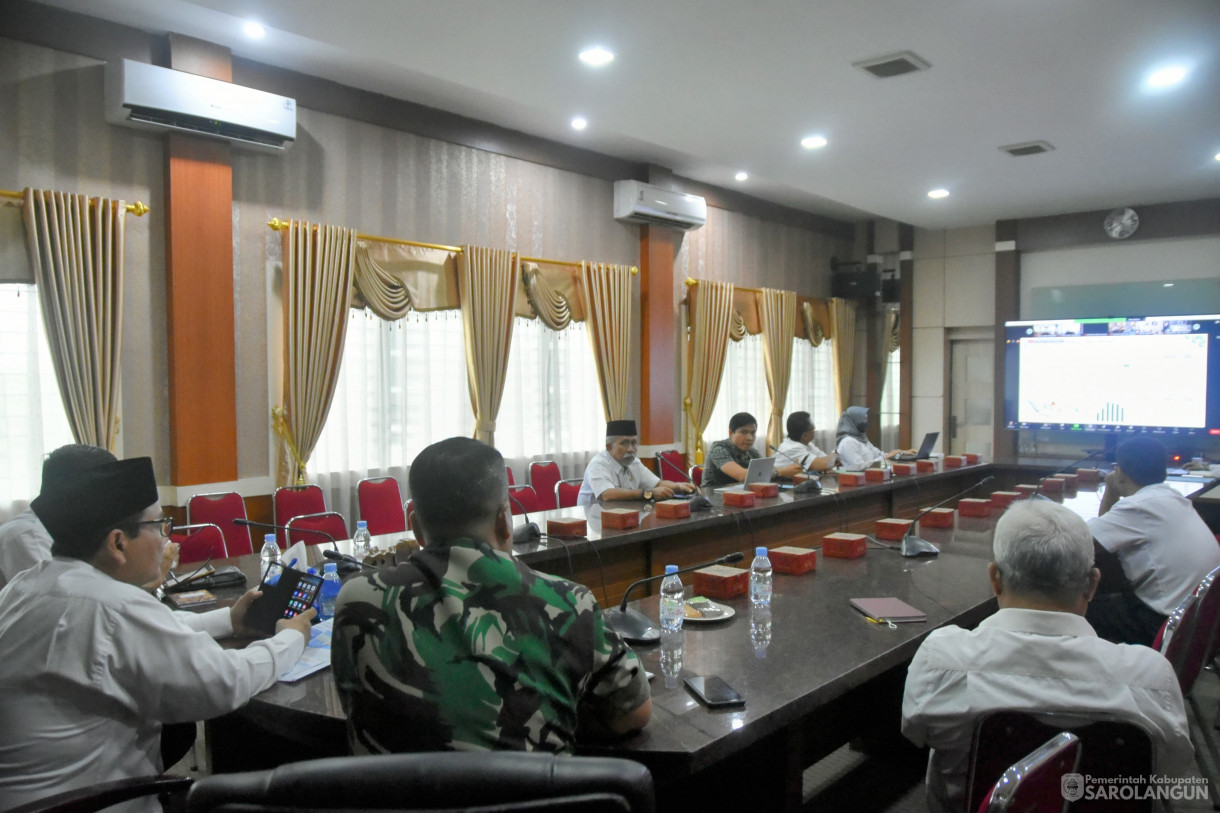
[(1166, 77), (596, 56), (1218, 156), (938, 193), (741, 176), (254, 31), (813, 142), (579, 123), (1167, 285)]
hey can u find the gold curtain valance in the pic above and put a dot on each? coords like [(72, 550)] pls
[(814, 324)]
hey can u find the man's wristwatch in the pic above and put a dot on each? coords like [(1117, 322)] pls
[(647, 495)]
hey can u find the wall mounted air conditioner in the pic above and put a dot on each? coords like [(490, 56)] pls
[(152, 98), (637, 202)]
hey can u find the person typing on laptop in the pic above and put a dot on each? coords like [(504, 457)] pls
[(617, 474), (728, 460), (855, 450), (798, 446)]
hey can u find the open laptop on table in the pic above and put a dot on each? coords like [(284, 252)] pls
[(760, 471), (925, 449)]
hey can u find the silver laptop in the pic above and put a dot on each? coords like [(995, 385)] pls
[(925, 449), (760, 471)]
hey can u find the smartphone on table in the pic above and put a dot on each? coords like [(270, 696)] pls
[(714, 692)]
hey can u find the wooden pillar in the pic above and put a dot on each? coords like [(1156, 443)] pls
[(660, 393), (1007, 308), (199, 288)]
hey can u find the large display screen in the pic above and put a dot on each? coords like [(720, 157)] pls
[(1157, 374)]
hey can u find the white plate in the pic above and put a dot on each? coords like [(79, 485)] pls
[(722, 611)]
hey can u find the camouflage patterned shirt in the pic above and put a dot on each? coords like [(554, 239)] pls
[(465, 648)]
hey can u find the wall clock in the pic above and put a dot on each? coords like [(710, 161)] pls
[(1121, 223)]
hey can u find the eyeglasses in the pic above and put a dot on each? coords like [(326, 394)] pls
[(166, 525)]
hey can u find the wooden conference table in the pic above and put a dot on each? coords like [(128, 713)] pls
[(826, 674)]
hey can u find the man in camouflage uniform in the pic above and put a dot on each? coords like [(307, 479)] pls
[(463, 647)]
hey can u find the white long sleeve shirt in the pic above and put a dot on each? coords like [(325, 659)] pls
[(856, 454), (91, 668), (24, 542)]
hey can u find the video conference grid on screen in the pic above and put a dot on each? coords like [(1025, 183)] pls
[(1158, 374)]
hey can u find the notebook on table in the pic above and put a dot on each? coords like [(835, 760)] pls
[(925, 449), (760, 471), (889, 609)]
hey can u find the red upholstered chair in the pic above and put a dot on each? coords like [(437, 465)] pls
[(1034, 784), (525, 499), (295, 501), (671, 465), (1189, 635), (221, 509), (199, 542), (566, 492), (509, 470), (1109, 748), (544, 474), (381, 505), (696, 475), (330, 523)]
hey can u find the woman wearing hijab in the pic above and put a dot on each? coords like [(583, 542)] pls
[(728, 460), (855, 450)]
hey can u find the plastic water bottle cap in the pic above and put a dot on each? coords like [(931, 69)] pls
[(361, 525), (269, 538), (330, 567), (312, 571), (760, 551), (671, 569)]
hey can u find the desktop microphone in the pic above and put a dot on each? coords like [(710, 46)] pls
[(636, 627), (529, 531), (913, 545), (352, 562)]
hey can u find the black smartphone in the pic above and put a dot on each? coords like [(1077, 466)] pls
[(285, 593), (714, 692)]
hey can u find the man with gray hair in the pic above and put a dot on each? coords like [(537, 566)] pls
[(617, 474), (1036, 654)]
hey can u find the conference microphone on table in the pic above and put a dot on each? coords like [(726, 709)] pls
[(348, 564), (528, 532), (913, 545), (636, 627)]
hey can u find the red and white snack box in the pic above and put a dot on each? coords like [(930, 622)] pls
[(876, 475), (971, 458), (620, 518), (565, 526), (1088, 476), (738, 499), (673, 509), (764, 489), (1053, 485), (851, 478), (1070, 482), (954, 461), (892, 529), (1003, 499), (799, 478), (925, 466), (793, 561), (971, 507), (938, 518), (722, 581), (1026, 489), (844, 546), (904, 469)]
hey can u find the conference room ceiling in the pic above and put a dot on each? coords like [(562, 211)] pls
[(710, 88)]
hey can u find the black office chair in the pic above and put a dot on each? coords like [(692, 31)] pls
[(107, 794), (467, 781)]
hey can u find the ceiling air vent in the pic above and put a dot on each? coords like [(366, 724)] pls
[(1028, 148), (884, 67)]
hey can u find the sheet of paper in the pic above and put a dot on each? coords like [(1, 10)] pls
[(316, 656)]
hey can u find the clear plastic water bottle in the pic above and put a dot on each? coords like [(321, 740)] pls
[(270, 553), (672, 596), (329, 593), (760, 579), (362, 541)]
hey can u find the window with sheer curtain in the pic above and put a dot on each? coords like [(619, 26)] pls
[(402, 386), (32, 417), (889, 401), (812, 388)]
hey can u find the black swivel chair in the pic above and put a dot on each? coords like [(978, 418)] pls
[(470, 781)]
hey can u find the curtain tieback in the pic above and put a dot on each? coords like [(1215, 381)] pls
[(279, 422), (484, 426)]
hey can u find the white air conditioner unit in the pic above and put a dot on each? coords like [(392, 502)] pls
[(637, 202), (152, 98)]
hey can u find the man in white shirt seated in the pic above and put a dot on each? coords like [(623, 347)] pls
[(617, 474), (1161, 542), (798, 447), (93, 664), (24, 542), (1036, 654)]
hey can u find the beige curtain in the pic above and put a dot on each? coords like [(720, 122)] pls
[(487, 287), (607, 300), (843, 330), (777, 311), (76, 254), (893, 337), (392, 279), (318, 267), (711, 315)]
